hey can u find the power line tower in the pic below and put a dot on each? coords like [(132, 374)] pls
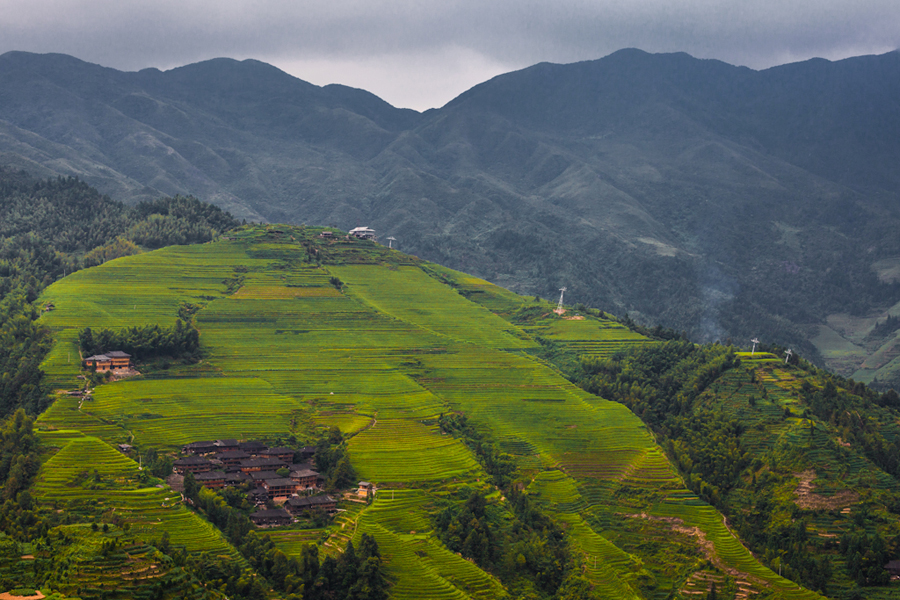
[(559, 306), (391, 241), (787, 355), (755, 342)]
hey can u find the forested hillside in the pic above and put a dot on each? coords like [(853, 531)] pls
[(712, 199), (485, 473), (804, 464), (51, 228)]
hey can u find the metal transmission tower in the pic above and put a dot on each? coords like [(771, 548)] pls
[(391, 241), (559, 306), (755, 342), (787, 355)]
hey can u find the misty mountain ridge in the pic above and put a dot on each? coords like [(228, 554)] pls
[(716, 199)]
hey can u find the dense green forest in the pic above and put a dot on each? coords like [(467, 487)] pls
[(744, 432), (54, 227)]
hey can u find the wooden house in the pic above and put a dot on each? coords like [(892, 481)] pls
[(109, 361), (324, 503), (236, 478), (261, 464), (232, 457), (281, 487), (893, 567), (252, 448), (213, 480), (364, 488), (226, 445), (199, 448), (285, 454), (258, 477), (258, 496), (305, 478), (192, 464), (271, 517)]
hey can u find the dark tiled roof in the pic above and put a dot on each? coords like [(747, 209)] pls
[(263, 462), (199, 445), (281, 450), (239, 454), (117, 354), (310, 501), (257, 475), (98, 358), (271, 513), (210, 475), (280, 482), (252, 446), (192, 460), (304, 473), (226, 443)]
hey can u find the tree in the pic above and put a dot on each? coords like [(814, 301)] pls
[(191, 487)]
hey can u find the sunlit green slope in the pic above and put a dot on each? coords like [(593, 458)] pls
[(300, 332)]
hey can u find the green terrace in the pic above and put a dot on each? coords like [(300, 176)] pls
[(381, 354)]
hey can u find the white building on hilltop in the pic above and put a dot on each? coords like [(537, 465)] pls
[(363, 233)]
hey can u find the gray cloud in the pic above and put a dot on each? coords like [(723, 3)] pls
[(421, 54)]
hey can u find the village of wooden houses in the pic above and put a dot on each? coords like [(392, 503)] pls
[(281, 488)]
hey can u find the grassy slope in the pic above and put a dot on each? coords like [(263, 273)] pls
[(384, 357)]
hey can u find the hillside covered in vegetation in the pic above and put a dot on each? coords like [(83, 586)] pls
[(51, 228), (495, 474)]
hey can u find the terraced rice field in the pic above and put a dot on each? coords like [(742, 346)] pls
[(86, 471), (405, 450), (410, 295), (381, 360), (422, 568), (171, 413)]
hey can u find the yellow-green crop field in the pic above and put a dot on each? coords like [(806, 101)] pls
[(381, 358)]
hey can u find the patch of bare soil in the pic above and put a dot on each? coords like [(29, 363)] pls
[(808, 499), (8, 596), (575, 318), (123, 374), (708, 549)]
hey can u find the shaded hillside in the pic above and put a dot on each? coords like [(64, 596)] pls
[(714, 199)]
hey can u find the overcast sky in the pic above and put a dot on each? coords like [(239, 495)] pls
[(421, 54)]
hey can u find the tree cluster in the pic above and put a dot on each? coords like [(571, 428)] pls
[(332, 461), (144, 342), (515, 541)]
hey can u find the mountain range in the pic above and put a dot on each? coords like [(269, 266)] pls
[(709, 198)]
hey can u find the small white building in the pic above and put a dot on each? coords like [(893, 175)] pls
[(363, 233)]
